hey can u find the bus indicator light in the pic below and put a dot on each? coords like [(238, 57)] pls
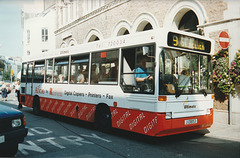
[(24, 121), (162, 98), (212, 96), (115, 104)]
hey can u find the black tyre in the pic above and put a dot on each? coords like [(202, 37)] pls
[(36, 106), (103, 121)]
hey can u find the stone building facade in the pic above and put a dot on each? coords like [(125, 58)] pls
[(113, 18)]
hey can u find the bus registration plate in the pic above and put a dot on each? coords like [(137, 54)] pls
[(191, 121), (2, 139)]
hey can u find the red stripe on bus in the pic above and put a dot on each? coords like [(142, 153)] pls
[(143, 122)]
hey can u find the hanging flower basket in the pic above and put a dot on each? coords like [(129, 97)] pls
[(221, 77), (235, 70)]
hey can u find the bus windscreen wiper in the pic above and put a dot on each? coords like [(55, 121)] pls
[(203, 91), (178, 93)]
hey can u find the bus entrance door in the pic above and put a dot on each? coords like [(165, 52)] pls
[(29, 79)]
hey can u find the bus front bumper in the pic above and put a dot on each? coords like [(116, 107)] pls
[(182, 125)]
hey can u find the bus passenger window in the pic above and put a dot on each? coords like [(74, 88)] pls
[(113, 73), (61, 70), (79, 69), (104, 67), (49, 71), (39, 70)]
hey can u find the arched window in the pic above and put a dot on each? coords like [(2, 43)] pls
[(126, 32), (144, 22), (122, 31), (63, 45), (144, 26), (188, 22), (72, 42), (148, 27), (186, 15), (93, 38), (93, 35), (123, 27)]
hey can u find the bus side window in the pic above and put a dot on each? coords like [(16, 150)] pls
[(104, 67), (39, 70), (61, 70), (79, 69), (29, 72), (49, 71)]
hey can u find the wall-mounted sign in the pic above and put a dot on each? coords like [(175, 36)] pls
[(224, 39)]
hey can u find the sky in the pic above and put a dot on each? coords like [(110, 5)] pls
[(11, 28)]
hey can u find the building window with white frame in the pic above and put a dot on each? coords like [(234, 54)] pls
[(44, 34)]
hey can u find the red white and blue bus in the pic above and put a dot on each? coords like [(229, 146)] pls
[(156, 83)]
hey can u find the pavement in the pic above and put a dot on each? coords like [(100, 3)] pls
[(224, 131), (221, 129)]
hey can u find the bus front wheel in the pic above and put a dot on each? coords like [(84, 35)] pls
[(102, 120)]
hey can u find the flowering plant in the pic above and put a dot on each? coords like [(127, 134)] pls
[(221, 77), (235, 69)]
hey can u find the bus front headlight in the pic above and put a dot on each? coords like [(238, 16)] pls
[(208, 111), (168, 115)]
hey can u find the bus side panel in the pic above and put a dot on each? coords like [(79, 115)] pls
[(134, 120), (71, 109), (26, 100)]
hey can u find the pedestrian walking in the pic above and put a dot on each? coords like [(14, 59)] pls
[(17, 91), (4, 92)]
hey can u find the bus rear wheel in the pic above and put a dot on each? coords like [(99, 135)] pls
[(102, 120), (36, 105)]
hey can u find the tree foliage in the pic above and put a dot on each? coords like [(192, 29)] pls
[(2, 65), (7, 75)]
